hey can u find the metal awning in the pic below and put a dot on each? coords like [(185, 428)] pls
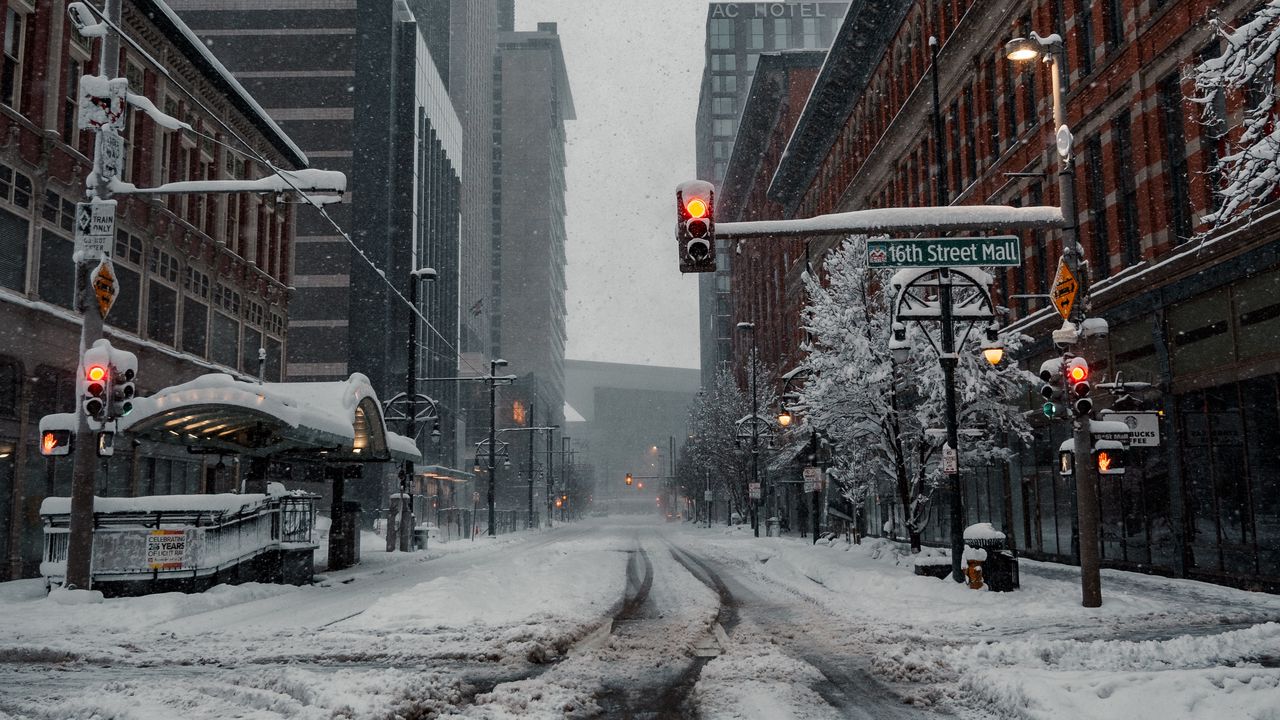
[(328, 421)]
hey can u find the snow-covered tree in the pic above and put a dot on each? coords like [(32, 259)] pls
[(713, 450), (877, 412), (1250, 167)]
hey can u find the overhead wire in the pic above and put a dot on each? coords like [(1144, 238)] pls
[(253, 152)]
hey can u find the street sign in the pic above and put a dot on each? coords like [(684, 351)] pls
[(812, 479), (1003, 250), (95, 230), (1065, 288), (104, 286), (1144, 427), (950, 460), (753, 491), (102, 102), (707, 496), (110, 150)]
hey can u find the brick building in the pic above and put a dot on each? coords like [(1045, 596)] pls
[(204, 279), (1190, 314)]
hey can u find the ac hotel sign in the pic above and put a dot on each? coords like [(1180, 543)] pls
[(776, 10)]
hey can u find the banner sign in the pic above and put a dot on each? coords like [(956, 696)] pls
[(166, 549)]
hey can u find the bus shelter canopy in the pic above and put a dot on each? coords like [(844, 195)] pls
[(327, 421)]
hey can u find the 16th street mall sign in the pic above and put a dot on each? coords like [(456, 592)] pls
[(1002, 250)]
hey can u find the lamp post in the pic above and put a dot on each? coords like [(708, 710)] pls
[(493, 426), (531, 431), (750, 327), (411, 408), (1050, 49)]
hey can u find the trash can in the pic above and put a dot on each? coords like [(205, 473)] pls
[(1000, 568)]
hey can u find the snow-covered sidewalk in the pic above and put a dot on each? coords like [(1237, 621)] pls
[(1158, 648)]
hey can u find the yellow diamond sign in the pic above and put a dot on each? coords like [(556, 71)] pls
[(104, 286), (1065, 288)]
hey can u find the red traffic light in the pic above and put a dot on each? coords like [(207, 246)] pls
[(1077, 370), (696, 207), (95, 373), (629, 480), (1104, 461), (55, 442)]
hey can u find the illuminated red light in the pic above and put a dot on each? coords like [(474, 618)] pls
[(48, 442), (96, 372), (1078, 373), (696, 207)]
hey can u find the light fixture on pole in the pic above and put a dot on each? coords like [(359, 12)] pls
[(993, 347), (1053, 51), (755, 426)]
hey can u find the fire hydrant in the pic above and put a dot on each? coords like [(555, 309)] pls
[(974, 557)]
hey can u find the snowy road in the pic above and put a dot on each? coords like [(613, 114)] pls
[(633, 618)]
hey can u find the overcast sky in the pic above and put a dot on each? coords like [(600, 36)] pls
[(634, 69)]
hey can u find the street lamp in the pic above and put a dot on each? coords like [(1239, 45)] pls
[(755, 426), (1052, 50), (494, 364), (411, 406), (993, 347)]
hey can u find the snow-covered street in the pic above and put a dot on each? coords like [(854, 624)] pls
[(627, 617)]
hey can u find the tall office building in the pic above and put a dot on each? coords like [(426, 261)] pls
[(403, 166), (532, 100), (736, 35)]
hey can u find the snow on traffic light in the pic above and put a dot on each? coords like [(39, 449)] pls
[(696, 226)]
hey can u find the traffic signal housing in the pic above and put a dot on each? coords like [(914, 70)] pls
[(95, 379), (696, 226), (1110, 457), (124, 370), (1077, 374), (1051, 386), (55, 442), (629, 479)]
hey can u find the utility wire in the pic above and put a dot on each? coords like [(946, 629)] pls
[(253, 152)]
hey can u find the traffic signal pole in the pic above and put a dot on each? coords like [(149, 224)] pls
[(85, 456)]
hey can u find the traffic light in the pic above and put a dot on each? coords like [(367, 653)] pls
[(696, 226), (95, 379), (1109, 457), (55, 442), (629, 479), (1051, 386), (124, 368), (1078, 380)]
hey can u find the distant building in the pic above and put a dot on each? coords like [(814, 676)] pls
[(737, 34), (630, 414), (533, 99), (204, 279)]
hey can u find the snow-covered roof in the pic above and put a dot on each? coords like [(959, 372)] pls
[(204, 60), (219, 503), (342, 420)]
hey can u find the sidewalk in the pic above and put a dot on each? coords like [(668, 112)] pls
[(1158, 648)]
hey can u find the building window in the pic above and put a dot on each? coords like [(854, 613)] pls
[(13, 251), (722, 128), (1179, 197), (721, 149), (724, 62), (1113, 23), (722, 106), (227, 299), (15, 49), (993, 116), (71, 101), (195, 327), (57, 281), (1100, 266), (224, 346), (1121, 137), (756, 40), (15, 187), (162, 312), (58, 211), (1084, 36), (810, 39), (781, 33), (196, 283), (722, 32), (163, 265), (971, 145), (724, 83), (128, 248)]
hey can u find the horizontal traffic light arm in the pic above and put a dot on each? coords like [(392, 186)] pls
[(922, 219)]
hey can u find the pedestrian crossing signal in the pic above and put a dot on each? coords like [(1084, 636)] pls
[(55, 442)]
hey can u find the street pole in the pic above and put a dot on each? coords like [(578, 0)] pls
[(1088, 511), (551, 500), (406, 531), (493, 421), (84, 464), (529, 522), (948, 358)]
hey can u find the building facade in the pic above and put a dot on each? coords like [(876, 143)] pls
[(533, 101), (737, 34), (204, 278), (1188, 312), (402, 211)]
